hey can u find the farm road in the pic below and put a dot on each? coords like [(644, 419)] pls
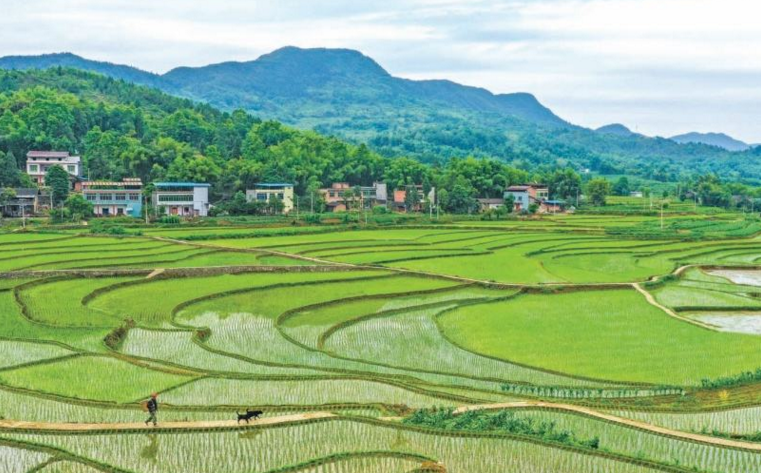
[(42, 427)]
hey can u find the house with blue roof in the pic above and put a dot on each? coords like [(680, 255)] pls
[(184, 199)]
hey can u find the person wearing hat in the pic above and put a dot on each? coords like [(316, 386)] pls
[(153, 406)]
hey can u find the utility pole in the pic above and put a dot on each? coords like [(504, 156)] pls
[(662, 215)]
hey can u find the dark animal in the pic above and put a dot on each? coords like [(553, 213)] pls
[(249, 415)]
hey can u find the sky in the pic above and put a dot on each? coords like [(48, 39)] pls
[(661, 67)]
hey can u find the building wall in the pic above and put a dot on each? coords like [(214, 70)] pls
[(193, 202), (265, 195), (522, 199)]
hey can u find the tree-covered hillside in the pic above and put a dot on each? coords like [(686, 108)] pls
[(124, 130), (344, 93)]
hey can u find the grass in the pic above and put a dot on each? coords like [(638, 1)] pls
[(611, 335)]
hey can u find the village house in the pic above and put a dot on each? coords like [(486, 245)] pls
[(525, 195), (27, 202), (369, 196), (184, 199), (399, 203), (114, 198), (38, 163), (334, 196), (263, 192), (487, 204)]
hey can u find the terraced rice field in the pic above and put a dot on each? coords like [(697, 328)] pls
[(587, 343)]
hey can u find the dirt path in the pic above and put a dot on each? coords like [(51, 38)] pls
[(155, 273), (11, 425), (651, 300), (717, 441)]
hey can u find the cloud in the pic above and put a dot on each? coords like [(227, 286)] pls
[(665, 65)]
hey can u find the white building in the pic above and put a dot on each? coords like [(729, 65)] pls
[(263, 192), (184, 199), (38, 163)]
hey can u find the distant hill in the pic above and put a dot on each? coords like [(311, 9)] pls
[(116, 71), (713, 139), (615, 129), (344, 93)]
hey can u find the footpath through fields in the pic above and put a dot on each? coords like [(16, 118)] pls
[(42, 427)]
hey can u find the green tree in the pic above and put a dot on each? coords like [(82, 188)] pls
[(411, 198), (58, 180), (6, 195), (509, 203), (564, 184), (78, 208), (621, 187), (10, 175), (597, 190)]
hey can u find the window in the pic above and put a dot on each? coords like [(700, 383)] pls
[(104, 196), (120, 196), (90, 196), (261, 197), (34, 168), (133, 196), (175, 198), (71, 168)]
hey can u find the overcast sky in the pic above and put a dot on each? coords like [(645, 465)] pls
[(661, 67)]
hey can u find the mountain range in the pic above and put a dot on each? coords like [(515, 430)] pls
[(345, 93), (713, 139)]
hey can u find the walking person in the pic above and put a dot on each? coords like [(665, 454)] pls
[(153, 406)]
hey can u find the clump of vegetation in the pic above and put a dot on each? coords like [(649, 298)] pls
[(115, 337), (746, 377), (503, 421)]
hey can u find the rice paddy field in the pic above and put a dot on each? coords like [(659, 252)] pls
[(599, 342)]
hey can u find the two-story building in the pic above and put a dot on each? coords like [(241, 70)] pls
[(367, 197), (399, 203), (38, 163), (184, 199), (377, 194), (110, 198), (527, 194), (334, 196), (265, 191)]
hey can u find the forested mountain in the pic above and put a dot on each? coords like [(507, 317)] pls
[(346, 94), (615, 129), (713, 139), (123, 130)]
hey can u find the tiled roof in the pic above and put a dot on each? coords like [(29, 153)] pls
[(181, 184), (47, 154)]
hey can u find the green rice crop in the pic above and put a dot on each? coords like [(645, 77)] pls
[(211, 392), (233, 452), (634, 442), (18, 460), (412, 340), (178, 348), (59, 302), (152, 302), (14, 353), (92, 377), (68, 467), (734, 421), (15, 326), (611, 334)]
